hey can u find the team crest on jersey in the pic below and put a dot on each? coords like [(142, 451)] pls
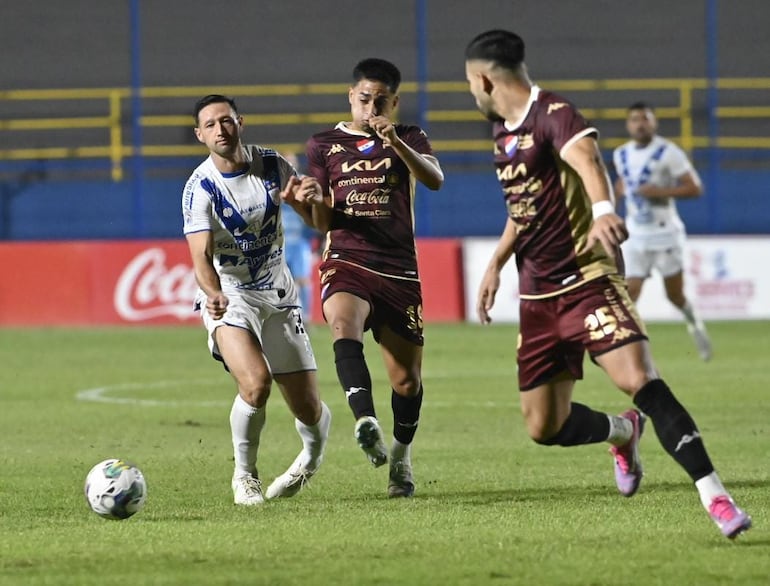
[(272, 182), (227, 212), (365, 145), (511, 144), (526, 141)]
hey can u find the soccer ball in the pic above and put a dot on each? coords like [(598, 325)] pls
[(115, 489)]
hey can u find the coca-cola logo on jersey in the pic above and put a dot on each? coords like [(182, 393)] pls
[(148, 288)]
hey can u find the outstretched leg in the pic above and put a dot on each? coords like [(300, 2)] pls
[(346, 315), (631, 369)]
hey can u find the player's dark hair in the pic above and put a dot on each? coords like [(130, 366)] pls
[(640, 106), (212, 99), (503, 48), (378, 70)]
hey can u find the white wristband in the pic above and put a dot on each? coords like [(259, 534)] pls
[(602, 208)]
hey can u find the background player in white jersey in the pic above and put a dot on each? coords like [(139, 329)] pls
[(232, 221), (652, 173)]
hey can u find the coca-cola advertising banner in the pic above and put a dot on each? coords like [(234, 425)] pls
[(152, 282)]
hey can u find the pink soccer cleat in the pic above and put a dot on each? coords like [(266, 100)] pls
[(729, 518), (628, 464)]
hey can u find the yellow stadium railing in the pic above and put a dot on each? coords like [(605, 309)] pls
[(453, 124)]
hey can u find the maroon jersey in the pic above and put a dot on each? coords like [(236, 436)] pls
[(373, 194), (546, 198)]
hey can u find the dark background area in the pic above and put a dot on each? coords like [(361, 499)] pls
[(88, 44)]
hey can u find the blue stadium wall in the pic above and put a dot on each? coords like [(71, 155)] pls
[(469, 204), (176, 44)]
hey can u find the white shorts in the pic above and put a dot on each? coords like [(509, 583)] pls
[(640, 260), (280, 330)]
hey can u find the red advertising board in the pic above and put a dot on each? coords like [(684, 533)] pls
[(152, 282)]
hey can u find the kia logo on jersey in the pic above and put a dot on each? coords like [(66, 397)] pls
[(365, 145), (511, 144)]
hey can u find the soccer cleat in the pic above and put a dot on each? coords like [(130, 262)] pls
[(293, 480), (702, 341), (247, 490), (369, 437), (728, 517), (628, 464), (400, 483)]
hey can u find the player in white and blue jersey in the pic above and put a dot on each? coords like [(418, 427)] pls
[(231, 207), (653, 173)]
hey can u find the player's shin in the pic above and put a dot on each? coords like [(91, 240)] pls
[(582, 426), (674, 427), (354, 376), (406, 416), (246, 423), (314, 437)]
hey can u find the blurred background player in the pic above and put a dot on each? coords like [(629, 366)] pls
[(368, 168), (566, 236), (299, 240), (231, 207), (652, 173)]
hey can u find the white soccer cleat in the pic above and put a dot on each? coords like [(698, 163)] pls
[(369, 437), (247, 490), (293, 480), (400, 481)]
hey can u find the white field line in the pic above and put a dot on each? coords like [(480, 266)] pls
[(107, 394), (120, 393)]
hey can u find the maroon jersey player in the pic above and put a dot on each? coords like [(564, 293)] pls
[(564, 232), (368, 169)]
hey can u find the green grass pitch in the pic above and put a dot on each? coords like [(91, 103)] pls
[(491, 507)]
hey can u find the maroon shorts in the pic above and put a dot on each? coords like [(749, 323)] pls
[(396, 303), (554, 333)]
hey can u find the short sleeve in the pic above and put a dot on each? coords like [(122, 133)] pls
[(564, 125), (416, 138), (286, 170), (316, 164), (677, 161), (196, 206)]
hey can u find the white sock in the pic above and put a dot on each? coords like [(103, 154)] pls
[(709, 487), (689, 314), (399, 451), (621, 430), (246, 423), (314, 437)]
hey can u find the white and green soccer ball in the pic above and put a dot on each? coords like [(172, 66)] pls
[(115, 489)]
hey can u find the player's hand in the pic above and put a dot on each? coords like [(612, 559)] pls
[(289, 193), (385, 129), (309, 191), (490, 283), (217, 304), (300, 191), (609, 230)]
